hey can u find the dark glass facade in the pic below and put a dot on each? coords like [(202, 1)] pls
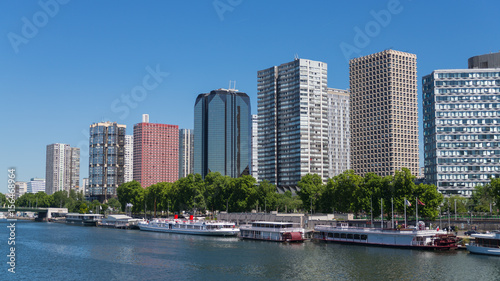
[(222, 133)]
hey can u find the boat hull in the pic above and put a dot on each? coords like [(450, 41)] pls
[(190, 231), (483, 250), (415, 247)]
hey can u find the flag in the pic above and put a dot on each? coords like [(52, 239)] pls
[(420, 202), (407, 202), (437, 228)]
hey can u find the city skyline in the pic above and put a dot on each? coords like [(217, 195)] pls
[(63, 65)]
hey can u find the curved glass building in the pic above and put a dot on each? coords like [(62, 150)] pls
[(222, 133)]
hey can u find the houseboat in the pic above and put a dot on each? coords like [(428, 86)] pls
[(273, 231), (83, 219), (485, 244), (120, 221), (201, 227), (418, 238)]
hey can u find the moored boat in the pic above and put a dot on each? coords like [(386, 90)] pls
[(403, 238), (83, 219), (201, 227), (273, 231), (485, 244)]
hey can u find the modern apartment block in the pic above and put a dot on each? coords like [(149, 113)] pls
[(156, 152), (293, 122), (35, 185), (129, 158), (255, 147), (186, 149), (384, 114), (222, 133), (62, 168), (485, 61), (339, 132), (84, 187), (106, 160), (461, 128), (20, 188)]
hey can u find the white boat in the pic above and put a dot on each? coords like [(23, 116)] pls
[(211, 228), (485, 244), (403, 238), (273, 231)]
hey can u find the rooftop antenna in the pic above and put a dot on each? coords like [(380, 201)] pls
[(296, 56), (233, 87)]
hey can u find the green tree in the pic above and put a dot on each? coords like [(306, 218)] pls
[(242, 194), (3, 199), (346, 191), (287, 202), (83, 209), (311, 189), (131, 192), (495, 192), (432, 199), (482, 197), (114, 204)]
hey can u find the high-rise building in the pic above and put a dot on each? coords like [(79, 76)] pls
[(384, 114), (107, 159), (20, 188), (35, 185), (339, 132), (129, 158), (84, 187), (222, 133), (186, 148), (293, 122), (156, 152), (62, 168), (485, 61), (461, 128), (255, 147)]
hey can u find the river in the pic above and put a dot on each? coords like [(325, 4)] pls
[(51, 251)]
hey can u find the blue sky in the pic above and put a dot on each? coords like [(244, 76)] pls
[(73, 63)]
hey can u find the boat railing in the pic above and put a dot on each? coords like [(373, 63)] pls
[(377, 230), (285, 229)]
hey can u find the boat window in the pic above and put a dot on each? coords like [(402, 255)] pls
[(343, 235), (356, 236), (364, 237), (330, 235), (336, 235), (349, 236)]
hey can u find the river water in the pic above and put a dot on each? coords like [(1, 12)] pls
[(51, 251)]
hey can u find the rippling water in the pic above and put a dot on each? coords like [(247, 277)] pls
[(48, 251)]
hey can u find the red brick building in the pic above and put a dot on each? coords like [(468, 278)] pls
[(156, 152)]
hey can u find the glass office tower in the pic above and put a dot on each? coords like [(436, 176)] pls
[(461, 128), (222, 133)]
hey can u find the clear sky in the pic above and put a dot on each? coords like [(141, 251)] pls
[(65, 65)]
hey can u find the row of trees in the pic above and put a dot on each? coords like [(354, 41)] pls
[(74, 201), (215, 192), (352, 193)]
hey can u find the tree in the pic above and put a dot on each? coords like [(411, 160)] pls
[(311, 189), (346, 190), (482, 197), (114, 204), (131, 192), (495, 191), (428, 195), (3, 199), (241, 195)]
